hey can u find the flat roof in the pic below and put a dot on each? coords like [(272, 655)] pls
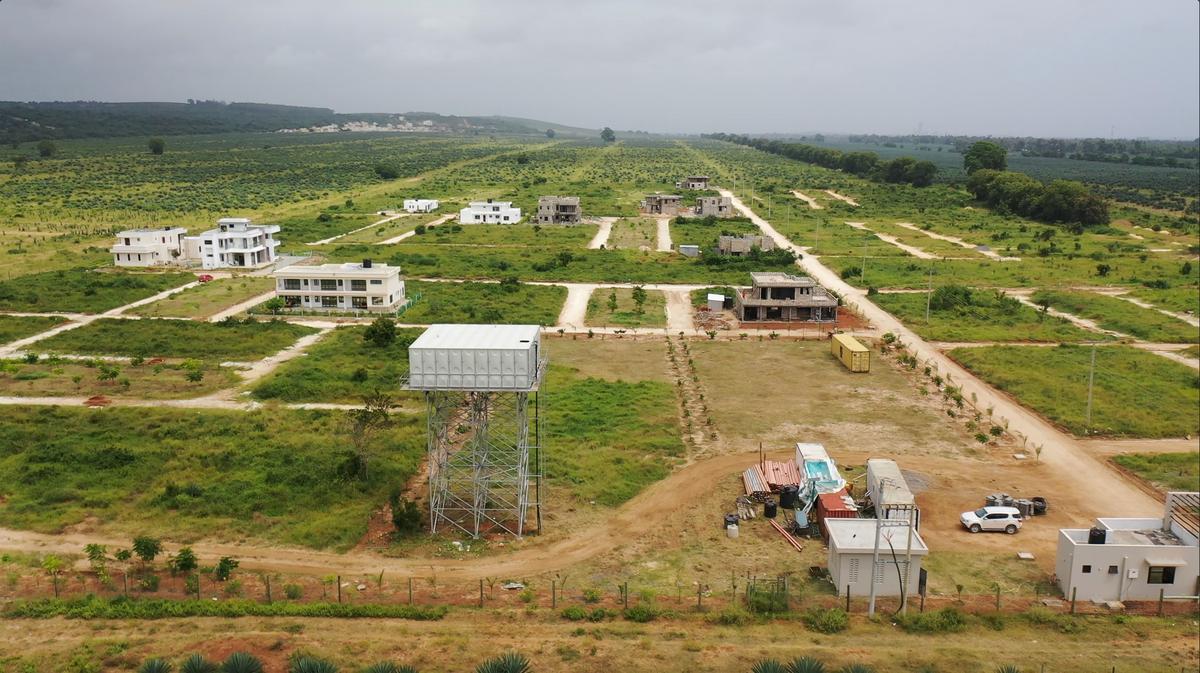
[(769, 278), (561, 199), (499, 337), (664, 196), (158, 230), (716, 297), (858, 535), (346, 269)]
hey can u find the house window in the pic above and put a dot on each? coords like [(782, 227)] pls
[(291, 301), (1161, 575), (358, 302), (377, 282), (1112, 570), (329, 302), (328, 285), (358, 286), (377, 301), (1086, 569), (291, 283)]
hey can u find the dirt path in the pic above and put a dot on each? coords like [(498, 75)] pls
[(664, 234), (1123, 295), (1060, 451), (408, 234), (1023, 295), (385, 220), (914, 251), (839, 197), (680, 312), (242, 307), (600, 240), (812, 203), (958, 241), (574, 310)]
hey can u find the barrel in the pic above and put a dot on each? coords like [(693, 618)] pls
[(770, 509), (788, 497), (731, 530), (731, 520)]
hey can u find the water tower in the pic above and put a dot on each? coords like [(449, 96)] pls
[(481, 393)]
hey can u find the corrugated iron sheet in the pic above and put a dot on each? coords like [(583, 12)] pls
[(754, 481), (780, 474)]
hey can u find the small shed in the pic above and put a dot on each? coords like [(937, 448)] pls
[(476, 357), (851, 552), (716, 302), (688, 250), (850, 352)]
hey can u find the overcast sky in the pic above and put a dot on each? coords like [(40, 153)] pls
[(1011, 67)]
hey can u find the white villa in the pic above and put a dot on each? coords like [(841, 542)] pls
[(149, 247), (489, 212), (235, 243), (421, 205), (341, 287)]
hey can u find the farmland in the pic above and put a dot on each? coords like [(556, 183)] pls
[(53, 376)]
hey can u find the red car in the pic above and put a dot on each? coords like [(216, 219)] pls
[(205, 277)]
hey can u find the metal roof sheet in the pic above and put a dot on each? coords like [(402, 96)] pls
[(858, 535), (500, 337)]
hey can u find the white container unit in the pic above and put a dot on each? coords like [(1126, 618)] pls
[(475, 357), (888, 490)]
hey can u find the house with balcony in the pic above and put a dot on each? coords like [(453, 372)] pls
[(742, 245), (661, 204), (714, 206), (421, 205), (235, 243), (558, 210), (693, 182), (782, 297), (149, 247), (369, 287), (489, 212)]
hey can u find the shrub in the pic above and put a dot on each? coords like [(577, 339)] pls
[(832, 620), (293, 591), (767, 666), (196, 663), (242, 662), (155, 666), (599, 615), (733, 617), (806, 665), (311, 665), (641, 613), (946, 620), (388, 667), (94, 607), (511, 662), (856, 668), (591, 595), (574, 613)]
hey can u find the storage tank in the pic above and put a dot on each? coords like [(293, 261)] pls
[(770, 509), (1097, 536), (850, 352), (475, 357)]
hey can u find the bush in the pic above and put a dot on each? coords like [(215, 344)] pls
[(591, 595), (641, 613), (946, 620), (506, 663), (93, 607), (733, 617), (305, 664), (293, 591), (833, 620), (575, 613)]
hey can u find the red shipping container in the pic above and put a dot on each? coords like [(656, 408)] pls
[(832, 506)]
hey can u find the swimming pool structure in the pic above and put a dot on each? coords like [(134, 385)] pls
[(819, 471)]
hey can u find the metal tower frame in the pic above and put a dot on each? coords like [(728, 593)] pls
[(479, 446)]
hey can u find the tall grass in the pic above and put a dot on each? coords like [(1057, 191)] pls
[(1121, 316), (227, 340), (340, 368), (1168, 471), (83, 290), (18, 327)]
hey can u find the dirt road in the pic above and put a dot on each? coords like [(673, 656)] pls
[(385, 220), (812, 203), (679, 310), (892, 240), (600, 240), (959, 242), (1060, 451), (574, 310), (408, 234), (664, 234), (839, 197), (238, 309)]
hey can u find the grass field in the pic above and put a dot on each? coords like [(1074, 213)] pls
[(499, 303), (341, 367), (1137, 394), (55, 377), (1167, 471), (1121, 316), (14, 327), (277, 475), (985, 316), (626, 313), (637, 233), (226, 340), (202, 301), (83, 290)]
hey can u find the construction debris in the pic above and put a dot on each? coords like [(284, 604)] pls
[(786, 535)]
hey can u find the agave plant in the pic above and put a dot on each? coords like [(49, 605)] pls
[(155, 666), (311, 665), (511, 662), (196, 663), (1007, 668), (242, 662), (806, 665), (388, 667), (767, 666)]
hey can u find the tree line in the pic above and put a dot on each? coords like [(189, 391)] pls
[(863, 164), (1061, 202), (1171, 153)]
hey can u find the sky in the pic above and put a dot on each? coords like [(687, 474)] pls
[(1069, 68)]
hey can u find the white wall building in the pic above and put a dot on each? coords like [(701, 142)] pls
[(852, 550), (421, 205), (489, 212), (341, 287), (149, 247), (1134, 558), (235, 243)]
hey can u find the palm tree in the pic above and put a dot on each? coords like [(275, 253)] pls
[(155, 665), (511, 662), (242, 662), (311, 665), (806, 665), (196, 663)]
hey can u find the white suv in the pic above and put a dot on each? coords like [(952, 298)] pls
[(1007, 519)]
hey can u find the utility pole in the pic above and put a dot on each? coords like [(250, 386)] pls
[(864, 264), (1091, 382), (875, 554), (929, 293)]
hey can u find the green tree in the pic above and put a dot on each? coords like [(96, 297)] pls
[(608, 135), (224, 568), (364, 425), (1186, 269), (47, 148), (53, 566), (1102, 270), (195, 375), (146, 548), (97, 555), (274, 305), (639, 298), (985, 154), (550, 133), (921, 173), (157, 145), (184, 561), (387, 171), (381, 333), (612, 301)]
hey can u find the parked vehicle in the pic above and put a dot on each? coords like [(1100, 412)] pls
[(205, 277), (1007, 519)]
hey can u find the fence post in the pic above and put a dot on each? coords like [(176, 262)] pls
[(553, 593), (480, 593), (922, 601), (267, 577), (847, 599), (410, 591), (997, 598), (339, 587), (699, 596), (625, 595), (1161, 594), (1074, 590)]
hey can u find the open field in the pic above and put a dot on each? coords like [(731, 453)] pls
[(226, 340), (85, 378), (1166, 471), (83, 291), (979, 315), (274, 475), (18, 327), (203, 301), (1137, 394), (639, 233), (505, 302), (1120, 316), (624, 312)]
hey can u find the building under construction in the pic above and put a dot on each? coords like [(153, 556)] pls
[(483, 432)]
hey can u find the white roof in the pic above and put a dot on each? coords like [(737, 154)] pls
[(716, 297), (896, 491), (159, 230), (812, 451), (858, 535), (485, 337), (346, 269), (234, 220)]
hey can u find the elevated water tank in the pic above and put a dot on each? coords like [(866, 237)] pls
[(476, 357)]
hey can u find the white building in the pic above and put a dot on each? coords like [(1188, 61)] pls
[(235, 243), (421, 205), (1135, 558), (489, 212), (341, 287), (149, 247), (852, 551)]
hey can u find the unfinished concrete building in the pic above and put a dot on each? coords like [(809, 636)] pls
[(662, 204), (742, 245), (782, 297), (693, 182), (714, 206), (558, 210)]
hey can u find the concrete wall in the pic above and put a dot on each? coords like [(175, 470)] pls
[(853, 570), (1102, 585)]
